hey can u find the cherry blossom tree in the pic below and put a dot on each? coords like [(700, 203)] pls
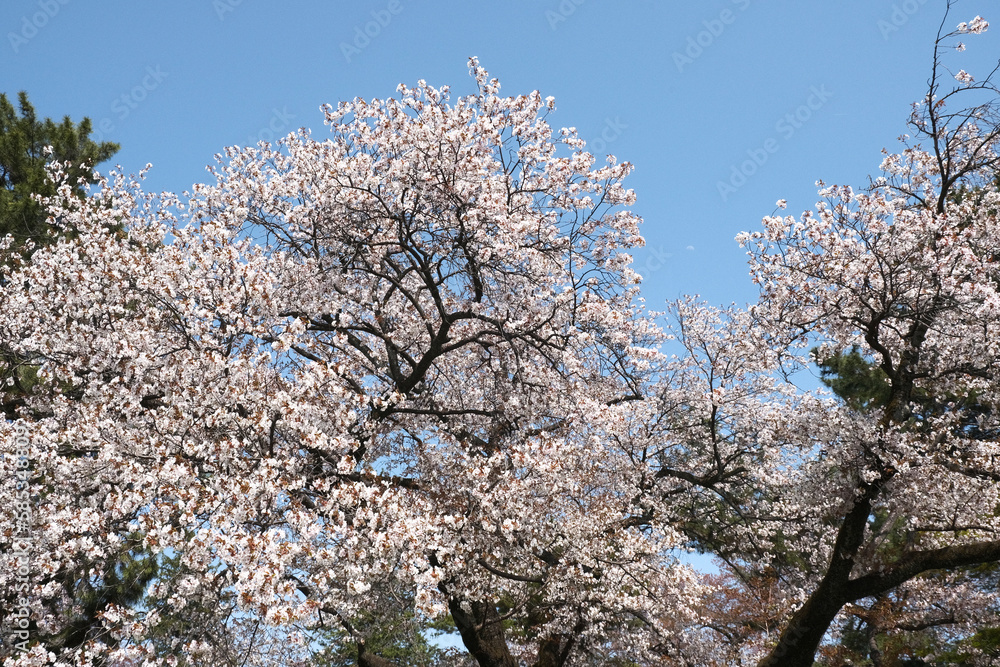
[(907, 272), (398, 358), (405, 369), (848, 505)]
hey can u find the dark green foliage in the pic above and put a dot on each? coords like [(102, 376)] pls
[(94, 587), (853, 638), (988, 641), (23, 138), (203, 616), (121, 580), (391, 630), (856, 380), (23, 142)]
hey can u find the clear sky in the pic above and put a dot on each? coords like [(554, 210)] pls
[(687, 91)]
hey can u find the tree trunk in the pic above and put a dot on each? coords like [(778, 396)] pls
[(554, 652), (366, 659), (801, 637), (482, 632)]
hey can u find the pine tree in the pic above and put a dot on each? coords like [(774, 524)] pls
[(23, 154), (26, 145), (24, 151)]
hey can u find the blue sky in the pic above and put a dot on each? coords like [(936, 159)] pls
[(687, 91)]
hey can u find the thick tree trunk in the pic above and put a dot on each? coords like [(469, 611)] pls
[(554, 652), (482, 632), (874, 652), (366, 659), (801, 637)]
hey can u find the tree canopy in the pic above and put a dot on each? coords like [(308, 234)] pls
[(360, 385)]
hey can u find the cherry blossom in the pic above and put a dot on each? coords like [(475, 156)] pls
[(402, 353), (410, 358)]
